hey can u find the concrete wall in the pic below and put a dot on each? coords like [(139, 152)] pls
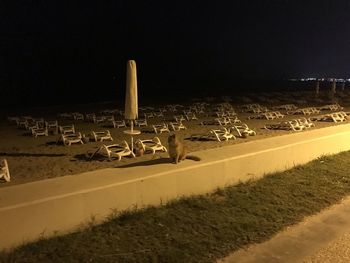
[(63, 204)]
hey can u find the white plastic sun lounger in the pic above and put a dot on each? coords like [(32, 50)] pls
[(223, 134), (5, 171), (243, 130), (151, 145), (102, 136), (334, 117), (293, 125), (141, 122), (40, 132), (66, 129), (160, 128), (69, 139), (176, 126), (114, 151), (119, 124)]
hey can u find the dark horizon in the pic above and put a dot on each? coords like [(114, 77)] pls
[(77, 52)]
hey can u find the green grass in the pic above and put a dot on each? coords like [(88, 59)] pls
[(202, 228)]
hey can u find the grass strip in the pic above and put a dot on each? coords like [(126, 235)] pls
[(201, 228)]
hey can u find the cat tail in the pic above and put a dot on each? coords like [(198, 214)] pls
[(193, 157)]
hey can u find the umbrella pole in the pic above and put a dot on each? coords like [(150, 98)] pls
[(132, 139)]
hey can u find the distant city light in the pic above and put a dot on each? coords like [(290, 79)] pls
[(320, 79)]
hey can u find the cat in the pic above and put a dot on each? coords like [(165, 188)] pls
[(139, 150), (177, 150)]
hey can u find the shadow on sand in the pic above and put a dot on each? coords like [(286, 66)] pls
[(86, 157), (33, 154), (51, 143), (200, 138), (161, 160)]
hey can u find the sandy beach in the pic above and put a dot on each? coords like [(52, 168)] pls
[(32, 159)]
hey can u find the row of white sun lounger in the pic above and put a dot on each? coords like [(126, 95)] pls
[(269, 115), (224, 134), (304, 111), (225, 113), (76, 137), (340, 116), (253, 108), (294, 125), (92, 117), (222, 110), (123, 149), (39, 127), (222, 121), (69, 136), (150, 112), (67, 139), (290, 109), (153, 145)]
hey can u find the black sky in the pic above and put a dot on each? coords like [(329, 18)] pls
[(54, 47)]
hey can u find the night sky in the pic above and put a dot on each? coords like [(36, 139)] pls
[(53, 48)]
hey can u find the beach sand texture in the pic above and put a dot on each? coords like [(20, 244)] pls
[(32, 159)]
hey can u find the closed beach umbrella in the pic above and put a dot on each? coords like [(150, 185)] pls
[(317, 88), (343, 86), (131, 104), (334, 86)]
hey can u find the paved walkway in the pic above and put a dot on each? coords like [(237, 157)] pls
[(324, 237)]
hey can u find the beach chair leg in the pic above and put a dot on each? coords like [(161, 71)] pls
[(93, 154)]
